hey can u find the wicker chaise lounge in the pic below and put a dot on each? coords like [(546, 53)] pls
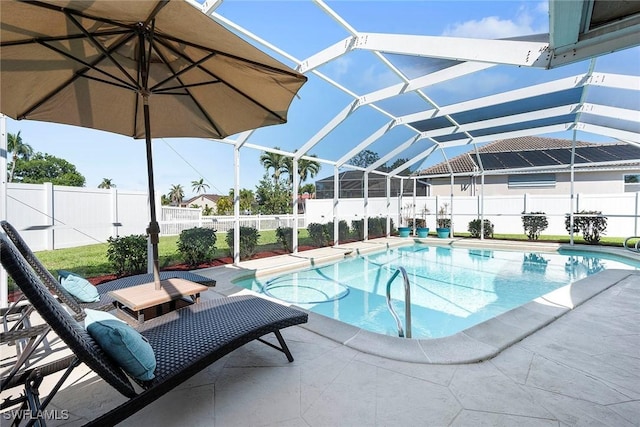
[(106, 301), (184, 341)]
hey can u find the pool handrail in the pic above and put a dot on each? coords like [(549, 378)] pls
[(636, 247), (407, 302)]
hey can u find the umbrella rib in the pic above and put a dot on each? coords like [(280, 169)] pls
[(184, 86), (99, 46), (59, 38), (76, 75), (235, 57), (175, 75), (195, 101)]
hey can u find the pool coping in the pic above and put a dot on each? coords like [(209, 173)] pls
[(475, 344)]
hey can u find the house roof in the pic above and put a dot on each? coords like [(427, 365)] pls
[(532, 151), (212, 197)]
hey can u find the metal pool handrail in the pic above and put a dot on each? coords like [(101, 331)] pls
[(636, 247), (407, 302)]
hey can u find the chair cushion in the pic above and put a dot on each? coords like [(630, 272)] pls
[(130, 350), (78, 286)]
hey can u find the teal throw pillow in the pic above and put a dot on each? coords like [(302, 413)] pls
[(130, 350), (78, 286)]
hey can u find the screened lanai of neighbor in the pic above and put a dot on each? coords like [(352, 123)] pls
[(419, 100)]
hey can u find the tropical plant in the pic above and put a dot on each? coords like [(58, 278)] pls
[(195, 206), (43, 167), (128, 254), (208, 211), (18, 149), (247, 200), (444, 221), (592, 224), (176, 194), (197, 245), (106, 183), (224, 206), (275, 161), (364, 158), (317, 234), (307, 188), (285, 238), (273, 197), (475, 226), (343, 231), (199, 186), (248, 241), (307, 168), (534, 223)]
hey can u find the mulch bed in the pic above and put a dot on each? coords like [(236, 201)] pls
[(183, 267)]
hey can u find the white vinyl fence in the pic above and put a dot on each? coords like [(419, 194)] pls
[(52, 217), (504, 212)]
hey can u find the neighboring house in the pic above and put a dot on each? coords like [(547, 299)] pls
[(203, 200), (598, 168)]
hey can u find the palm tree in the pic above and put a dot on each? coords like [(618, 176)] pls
[(199, 186), (307, 169), (273, 160), (176, 194), (19, 150), (107, 183)]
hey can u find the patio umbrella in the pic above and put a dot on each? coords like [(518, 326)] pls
[(139, 68)]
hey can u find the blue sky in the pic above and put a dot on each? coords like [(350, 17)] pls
[(301, 29)]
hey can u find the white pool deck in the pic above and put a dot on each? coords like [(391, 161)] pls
[(569, 358)]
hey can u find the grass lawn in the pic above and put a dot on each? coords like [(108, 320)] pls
[(91, 261)]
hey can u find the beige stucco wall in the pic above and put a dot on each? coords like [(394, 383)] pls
[(600, 182)]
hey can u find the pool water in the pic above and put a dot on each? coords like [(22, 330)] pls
[(452, 289)]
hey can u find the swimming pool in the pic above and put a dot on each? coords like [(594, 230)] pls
[(452, 288)]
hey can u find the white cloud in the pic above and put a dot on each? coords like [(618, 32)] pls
[(494, 27)]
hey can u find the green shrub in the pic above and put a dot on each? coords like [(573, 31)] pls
[(128, 254), (534, 223), (376, 226), (592, 227), (197, 245), (248, 241), (343, 231), (285, 237), (357, 229), (475, 226), (317, 234)]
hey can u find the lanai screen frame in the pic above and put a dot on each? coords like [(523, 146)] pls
[(569, 40)]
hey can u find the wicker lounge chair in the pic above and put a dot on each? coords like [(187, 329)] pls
[(27, 338), (184, 341), (106, 301)]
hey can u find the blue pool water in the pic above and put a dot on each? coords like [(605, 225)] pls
[(452, 289)]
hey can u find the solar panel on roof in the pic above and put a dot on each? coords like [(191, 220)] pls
[(490, 161), (512, 160), (539, 158), (452, 137), (621, 152)]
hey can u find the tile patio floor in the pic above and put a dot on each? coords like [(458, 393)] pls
[(582, 369)]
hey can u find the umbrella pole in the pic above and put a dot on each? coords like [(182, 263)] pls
[(154, 228)]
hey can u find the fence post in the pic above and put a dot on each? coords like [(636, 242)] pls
[(50, 220), (114, 212)]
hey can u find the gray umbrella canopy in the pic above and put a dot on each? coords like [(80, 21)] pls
[(138, 68)]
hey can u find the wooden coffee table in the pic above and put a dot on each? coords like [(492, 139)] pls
[(136, 299)]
